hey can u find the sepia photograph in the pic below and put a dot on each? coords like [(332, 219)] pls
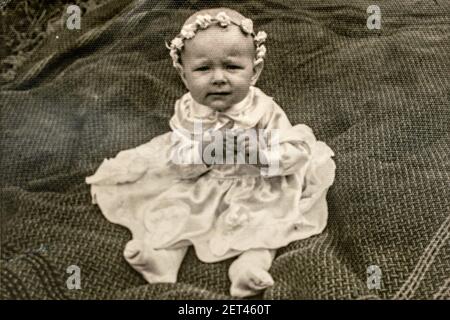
[(256, 150)]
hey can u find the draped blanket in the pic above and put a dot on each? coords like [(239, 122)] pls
[(379, 98)]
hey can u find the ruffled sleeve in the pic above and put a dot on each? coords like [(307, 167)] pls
[(287, 148), (185, 157)]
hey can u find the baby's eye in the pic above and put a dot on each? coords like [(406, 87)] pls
[(233, 66), (203, 68)]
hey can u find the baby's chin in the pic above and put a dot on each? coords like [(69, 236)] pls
[(219, 106), (218, 103)]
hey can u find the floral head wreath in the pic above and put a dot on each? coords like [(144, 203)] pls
[(222, 19)]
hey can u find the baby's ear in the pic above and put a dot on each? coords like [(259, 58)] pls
[(182, 74), (257, 68)]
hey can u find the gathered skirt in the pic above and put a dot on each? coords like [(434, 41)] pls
[(223, 212)]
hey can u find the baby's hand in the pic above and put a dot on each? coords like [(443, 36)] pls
[(246, 143), (210, 142)]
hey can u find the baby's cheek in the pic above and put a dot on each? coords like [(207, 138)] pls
[(197, 95), (198, 84), (203, 80), (240, 93), (247, 77), (243, 84)]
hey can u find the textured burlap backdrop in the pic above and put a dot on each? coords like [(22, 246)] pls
[(379, 98)]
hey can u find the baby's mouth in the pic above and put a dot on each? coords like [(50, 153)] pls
[(219, 94)]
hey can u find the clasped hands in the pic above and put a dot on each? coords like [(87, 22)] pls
[(243, 145)]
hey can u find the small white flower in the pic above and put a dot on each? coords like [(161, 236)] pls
[(260, 37), (261, 51), (203, 21), (223, 19), (257, 61), (174, 55), (177, 43), (237, 219), (188, 31), (247, 25)]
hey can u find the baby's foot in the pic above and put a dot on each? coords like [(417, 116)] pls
[(134, 252), (144, 260), (250, 282)]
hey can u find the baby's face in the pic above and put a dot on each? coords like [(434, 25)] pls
[(218, 66)]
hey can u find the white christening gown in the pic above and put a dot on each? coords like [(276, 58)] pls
[(220, 209)]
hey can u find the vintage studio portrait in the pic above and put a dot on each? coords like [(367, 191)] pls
[(221, 150)]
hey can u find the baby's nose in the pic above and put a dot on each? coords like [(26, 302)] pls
[(219, 76)]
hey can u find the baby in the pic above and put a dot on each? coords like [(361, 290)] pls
[(171, 196)]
